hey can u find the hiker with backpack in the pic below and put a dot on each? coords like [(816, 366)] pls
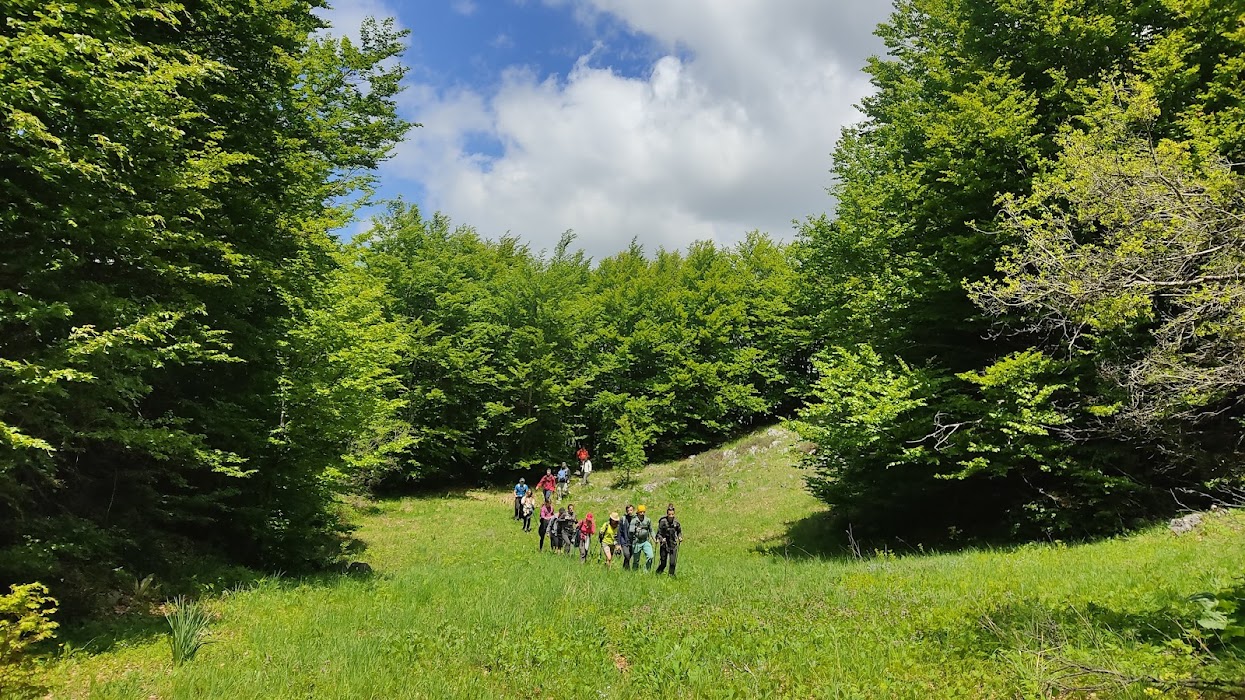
[(642, 539), (564, 482), (587, 529), (570, 530), (529, 505), (669, 536), (520, 490), (547, 484), (586, 468), (624, 535), (609, 539), (557, 531), (546, 518)]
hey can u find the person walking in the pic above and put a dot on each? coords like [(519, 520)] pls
[(570, 530), (586, 468), (546, 517), (557, 530), (564, 482), (547, 484), (624, 535), (529, 505), (641, 540), (582, 454), (669, 537), (520, 490), (587, 529), (609, 539)]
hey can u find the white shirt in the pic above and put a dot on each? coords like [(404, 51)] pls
[(587, 466)]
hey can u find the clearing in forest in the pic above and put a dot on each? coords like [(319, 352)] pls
[(461, 605)]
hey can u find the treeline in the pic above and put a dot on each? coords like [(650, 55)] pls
[(194, 369), (511, 359), (176, 376), (1032, 298)]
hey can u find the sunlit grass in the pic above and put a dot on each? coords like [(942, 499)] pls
[(463, 605)]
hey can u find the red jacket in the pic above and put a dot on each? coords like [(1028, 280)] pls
[(547, 483)]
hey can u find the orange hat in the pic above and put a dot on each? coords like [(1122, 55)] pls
[(639, 508)]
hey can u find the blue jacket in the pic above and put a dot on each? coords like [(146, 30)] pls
[(520, 490), (623, 537)]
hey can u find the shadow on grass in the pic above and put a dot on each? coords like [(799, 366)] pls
[(1091, 647), (141, 624), (817, 536)]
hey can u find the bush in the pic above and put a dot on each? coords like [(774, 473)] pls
[(24, 620)]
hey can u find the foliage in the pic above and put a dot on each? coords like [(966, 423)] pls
[(1035, 236), (188, 627), (628, 443), (170, 174), (1131, 253), (515, 356), (25, 620)]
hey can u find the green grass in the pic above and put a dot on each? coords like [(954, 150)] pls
[(462, 605)]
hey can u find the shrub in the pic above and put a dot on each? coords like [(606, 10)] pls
[(24, 620)]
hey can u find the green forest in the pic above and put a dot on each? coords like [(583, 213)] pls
[(1022, 319)]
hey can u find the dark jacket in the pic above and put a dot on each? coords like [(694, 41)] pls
[(558, 529), (669, 531), (624, 531)]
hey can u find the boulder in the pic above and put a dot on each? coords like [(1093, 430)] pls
[(1185, 524)]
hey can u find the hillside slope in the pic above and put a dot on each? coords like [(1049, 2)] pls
[(462, 605)]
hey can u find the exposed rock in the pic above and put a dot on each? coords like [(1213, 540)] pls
[(1185, 524)]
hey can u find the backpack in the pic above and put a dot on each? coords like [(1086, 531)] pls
[(641, 530)]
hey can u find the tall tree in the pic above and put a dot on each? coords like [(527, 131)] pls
[(169, 179)]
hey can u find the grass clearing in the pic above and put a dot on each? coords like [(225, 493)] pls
[(462, 605)]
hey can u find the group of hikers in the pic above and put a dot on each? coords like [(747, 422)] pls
[(631, 536)]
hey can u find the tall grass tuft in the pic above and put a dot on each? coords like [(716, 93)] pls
[(188, 625)]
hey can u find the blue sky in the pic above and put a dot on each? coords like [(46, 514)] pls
[(666, 121)]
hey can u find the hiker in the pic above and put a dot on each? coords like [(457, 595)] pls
[(564, 482), (669, 536), (546, 484), (587, 529), (520, 490), (586, 468), (624, 535), (609, 538), (557, 530), (529, 505), (582, 454), (570, 530), (641, 539), (546, 517)]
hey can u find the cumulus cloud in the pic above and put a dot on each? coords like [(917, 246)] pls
[(464, 7), (730, 130), (346, 18)]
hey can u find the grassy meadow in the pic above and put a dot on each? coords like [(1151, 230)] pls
[(462, 605)]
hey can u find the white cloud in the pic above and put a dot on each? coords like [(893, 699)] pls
[(464, 7), (345, 17), (502, 41), (731, 130)]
